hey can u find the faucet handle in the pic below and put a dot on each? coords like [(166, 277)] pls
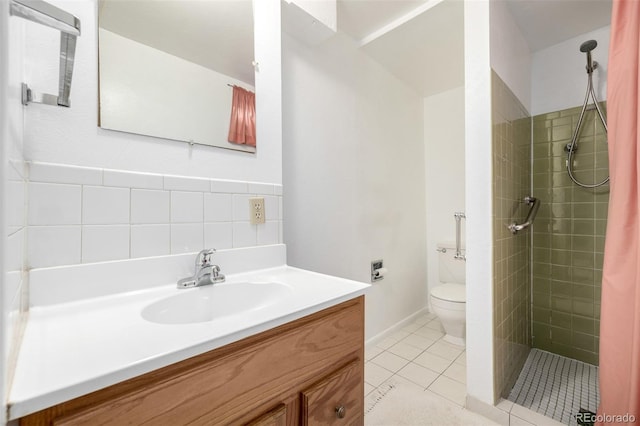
[(204, 257)]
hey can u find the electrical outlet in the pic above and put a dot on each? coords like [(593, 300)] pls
[(256, 210)]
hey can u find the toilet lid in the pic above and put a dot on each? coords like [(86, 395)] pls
[(450, 292)]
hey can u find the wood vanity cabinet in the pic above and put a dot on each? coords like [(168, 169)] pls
[(306, 372)]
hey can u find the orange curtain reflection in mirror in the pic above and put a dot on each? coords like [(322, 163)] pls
[(242, 128)]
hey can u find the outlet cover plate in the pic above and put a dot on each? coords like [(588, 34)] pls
[(256, 210)]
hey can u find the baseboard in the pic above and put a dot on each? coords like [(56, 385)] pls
[(397, 326)]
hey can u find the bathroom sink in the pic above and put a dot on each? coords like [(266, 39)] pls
[(213, 302)]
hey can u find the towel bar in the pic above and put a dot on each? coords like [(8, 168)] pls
[(69, 26)]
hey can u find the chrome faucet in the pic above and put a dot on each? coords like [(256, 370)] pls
[(205, 274)]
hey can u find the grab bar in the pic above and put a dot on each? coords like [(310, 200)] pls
[(535, 205), (459, 216), (69, 26)]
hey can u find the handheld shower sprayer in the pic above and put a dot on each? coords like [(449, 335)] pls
[(571, 147), (587, 47)]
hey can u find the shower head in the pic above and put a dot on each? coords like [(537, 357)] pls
[(588, 46)]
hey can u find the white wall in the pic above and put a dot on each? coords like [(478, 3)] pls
[(149, 100), (4, 82), (354, 174), (510, 56), (325, 11), (478, 196), (71, 136), (444, 170), (13, 193), (559, 76)]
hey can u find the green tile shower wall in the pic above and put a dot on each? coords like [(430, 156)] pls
[(568, 235), (511, 137)]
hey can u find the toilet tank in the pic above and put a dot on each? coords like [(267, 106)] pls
[(450, 269)]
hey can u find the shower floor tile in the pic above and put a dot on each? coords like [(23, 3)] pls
[(556, 387)]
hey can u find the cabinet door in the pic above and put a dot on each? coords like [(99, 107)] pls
[(337, 399), (275, 417)]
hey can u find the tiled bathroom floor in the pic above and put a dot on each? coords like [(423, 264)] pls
[(413, 377)]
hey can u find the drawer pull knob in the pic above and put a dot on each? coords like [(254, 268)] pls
[(341, 412)]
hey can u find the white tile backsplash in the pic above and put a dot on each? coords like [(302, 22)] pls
[(82, 214), (271, 208), (218, 235), (267, 233), (186, 207), (260, 188), (53, 245), (133, 179), (14, 257), (229, 186), (54, 204), (58, 173), (241, 207), (218, 208), (150, 206), (182, 183), (187, 237), (105, 242), (103, 205), (244, 234), (150, 240), (15, 203)]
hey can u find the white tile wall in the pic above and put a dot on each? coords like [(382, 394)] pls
[(150, 240), (133, 179), (260, 188), (53, 245), (81, 214), (15, 203), (186, 237), (149, 206), (186, 207), (58, 173), (218, 235), (267, 233), (244, 234), (180, 183), (54, 204), (105, 242), (271, 208), (218, 208), (15, 250), (103, 205), (229, 186), (241, 207)]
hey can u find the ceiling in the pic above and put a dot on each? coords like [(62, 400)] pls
[(547, 22), (214, 34), (421, 41), (427, 52)]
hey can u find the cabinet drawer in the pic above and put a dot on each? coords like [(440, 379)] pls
[(336, 400)]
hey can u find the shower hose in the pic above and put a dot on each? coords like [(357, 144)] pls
[(571, 148)]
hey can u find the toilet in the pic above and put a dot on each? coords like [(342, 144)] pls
[(448, 298)]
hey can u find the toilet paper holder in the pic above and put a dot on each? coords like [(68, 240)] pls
[(377, 270)]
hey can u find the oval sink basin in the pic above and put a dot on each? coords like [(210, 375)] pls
[(212, 302)]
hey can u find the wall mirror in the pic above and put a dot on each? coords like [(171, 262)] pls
[(168, 67)]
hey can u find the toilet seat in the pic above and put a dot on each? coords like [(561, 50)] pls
[(450, 292)]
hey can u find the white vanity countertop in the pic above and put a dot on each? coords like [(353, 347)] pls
[(71, 349)]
